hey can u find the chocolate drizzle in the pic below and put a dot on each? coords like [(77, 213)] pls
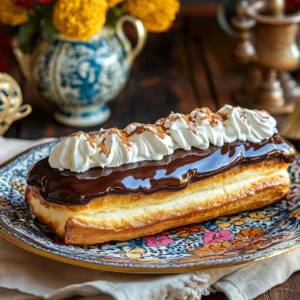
[(171, 173)]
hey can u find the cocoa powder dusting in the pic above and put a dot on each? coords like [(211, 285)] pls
[(224, 117), (103, 149), (260, 115), (244, 117), (156, 129), (160, 129), (88, 138)]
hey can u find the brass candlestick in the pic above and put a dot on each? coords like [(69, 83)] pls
[(267, 47)]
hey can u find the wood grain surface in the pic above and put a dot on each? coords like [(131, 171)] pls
[(189, 66)]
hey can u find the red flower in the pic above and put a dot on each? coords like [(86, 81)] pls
[(5, 40), (5, 64), (156, 241), (45, 1), (26, 3), (30, 3), (5, 51), (292, 5)]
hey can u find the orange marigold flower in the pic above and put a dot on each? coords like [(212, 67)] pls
[(12, 14), (79, 19), (250, 233), (157, 15)]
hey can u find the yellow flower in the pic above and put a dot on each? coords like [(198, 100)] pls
[(18, 186), (79, 19), (296, 213), (3, 202), (157, 15), (135, 253), (12, 14), (238, 220), (255, 216), (234, 220), (112, 3)]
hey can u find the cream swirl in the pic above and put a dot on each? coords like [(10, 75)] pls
[(209, 126), (73, 153), (137, 142), (114, 148), (246, 125), (151, 141), (180, 130)]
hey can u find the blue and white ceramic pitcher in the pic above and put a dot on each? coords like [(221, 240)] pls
[(81, 77)]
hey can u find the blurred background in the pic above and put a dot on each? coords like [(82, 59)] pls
[(198, 61), (177, 70)]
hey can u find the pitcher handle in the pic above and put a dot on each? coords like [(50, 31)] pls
[(23, 59), (141, 32), (223, 22), (242, 12), (21, 112)]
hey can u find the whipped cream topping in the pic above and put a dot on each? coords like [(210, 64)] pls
[(151, 141), (139, 142), (178, 127), (209, 126), (246, 125)]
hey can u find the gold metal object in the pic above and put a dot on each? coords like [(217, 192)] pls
[(291, 126), (10, 102), (267, 47)]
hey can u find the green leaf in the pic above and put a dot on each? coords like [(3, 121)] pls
[(31, 13), (43, 10), (113, 15), (48, 30), (26, 34), (11, 30)]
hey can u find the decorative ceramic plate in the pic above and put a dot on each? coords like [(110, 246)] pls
[(224, 241)]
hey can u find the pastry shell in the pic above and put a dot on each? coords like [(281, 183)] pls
[(123, 217)]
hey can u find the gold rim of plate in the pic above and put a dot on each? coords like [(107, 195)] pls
[(143, 269)]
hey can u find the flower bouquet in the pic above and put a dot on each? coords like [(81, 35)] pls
[(76, 50), (79, 19)]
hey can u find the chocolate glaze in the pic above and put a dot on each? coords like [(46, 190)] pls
[(172, 173)]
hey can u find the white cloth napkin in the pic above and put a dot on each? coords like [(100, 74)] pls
[(24, 275)]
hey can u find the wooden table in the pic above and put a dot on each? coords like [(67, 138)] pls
[(189, 66)]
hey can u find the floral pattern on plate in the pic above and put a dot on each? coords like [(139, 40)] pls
[(231, 239)]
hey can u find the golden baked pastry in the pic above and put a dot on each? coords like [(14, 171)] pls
[(122, 184)]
